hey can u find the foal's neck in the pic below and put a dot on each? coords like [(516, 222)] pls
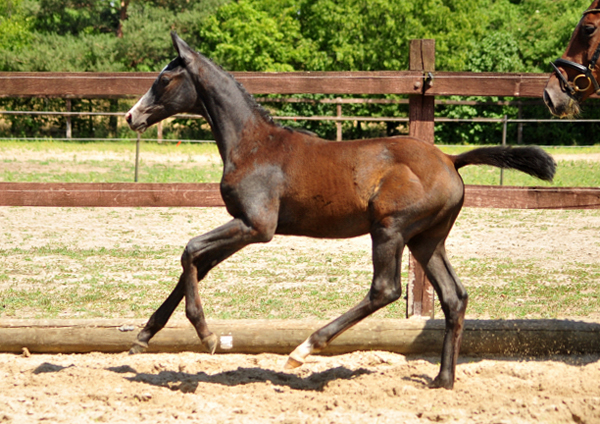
[(231, 110)]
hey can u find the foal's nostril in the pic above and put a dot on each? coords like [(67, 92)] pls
[(128, 117)]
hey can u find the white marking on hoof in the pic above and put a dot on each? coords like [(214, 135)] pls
[(298, 356)]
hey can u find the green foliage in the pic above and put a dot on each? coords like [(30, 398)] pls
[(302, 35), (77, 17), (146, 44), (264, 35), (15, 24), (244, 36)]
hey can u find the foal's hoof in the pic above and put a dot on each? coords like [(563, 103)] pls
[(440, 383), (210, 342), (293, 363), (138, 347), (298, 356)]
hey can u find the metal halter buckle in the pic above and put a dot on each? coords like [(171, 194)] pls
[(581, 82)]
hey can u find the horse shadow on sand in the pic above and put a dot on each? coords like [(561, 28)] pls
[(187, 382)]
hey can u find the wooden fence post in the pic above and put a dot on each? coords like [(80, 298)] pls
[(69, 127), (420, 293), (338, 123)]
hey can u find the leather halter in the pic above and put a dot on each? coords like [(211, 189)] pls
[(581, 83)]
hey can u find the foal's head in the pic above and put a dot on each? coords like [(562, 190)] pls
[(575, 76), (171, 93)]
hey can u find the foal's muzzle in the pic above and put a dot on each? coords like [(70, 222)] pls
[(135, 126)]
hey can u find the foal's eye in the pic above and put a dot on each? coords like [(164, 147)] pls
[(588, 30), (165, 80)]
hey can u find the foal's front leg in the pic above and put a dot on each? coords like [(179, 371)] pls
[(158, 319), (200, 255)]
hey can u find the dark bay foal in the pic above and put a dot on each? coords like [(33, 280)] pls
[(400, 190)]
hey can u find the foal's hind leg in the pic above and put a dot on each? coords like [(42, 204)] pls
[(388, 245), (453, 298), (201, 255)]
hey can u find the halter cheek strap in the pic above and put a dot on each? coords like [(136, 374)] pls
[(585, 72)]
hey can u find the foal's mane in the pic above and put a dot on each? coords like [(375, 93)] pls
[(261, 110), (264, 113), (250, 100)]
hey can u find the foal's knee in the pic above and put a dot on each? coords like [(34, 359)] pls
[(385, 296)]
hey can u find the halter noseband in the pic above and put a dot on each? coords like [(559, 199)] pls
[(585, 78)]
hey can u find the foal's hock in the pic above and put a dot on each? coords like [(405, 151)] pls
[(400, 190)]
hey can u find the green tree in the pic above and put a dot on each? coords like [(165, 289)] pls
[(77, 16), (300, 35), (15, 24), (146, 43), (246, 36)]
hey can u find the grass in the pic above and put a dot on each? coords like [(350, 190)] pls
[(106, 162), (528, 289), (120, 147), (42, 276), (59, 281), (72, 163)]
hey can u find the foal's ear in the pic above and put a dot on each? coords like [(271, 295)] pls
[(184, 51)]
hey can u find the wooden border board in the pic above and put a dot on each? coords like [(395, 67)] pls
[(208, 194), (413, 336)]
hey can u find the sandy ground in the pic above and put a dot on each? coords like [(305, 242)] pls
[(361, 387), (374, 387)]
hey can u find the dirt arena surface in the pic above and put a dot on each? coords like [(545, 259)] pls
[(361, 387)]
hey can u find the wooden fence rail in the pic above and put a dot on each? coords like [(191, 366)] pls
[(133, 84), (207, 195)]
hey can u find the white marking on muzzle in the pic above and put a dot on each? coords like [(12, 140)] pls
[(135, 115)]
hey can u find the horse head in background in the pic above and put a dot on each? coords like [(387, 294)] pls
[(575, 76)]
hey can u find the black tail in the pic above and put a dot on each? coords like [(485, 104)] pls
[(531, 160)]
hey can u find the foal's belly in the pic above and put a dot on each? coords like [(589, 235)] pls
[(323, 221)]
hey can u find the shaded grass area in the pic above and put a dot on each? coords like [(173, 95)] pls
[(59, 282), (506, 288), (72, 166), (54, 282)]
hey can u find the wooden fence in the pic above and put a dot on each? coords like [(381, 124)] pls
[(422, 83)]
